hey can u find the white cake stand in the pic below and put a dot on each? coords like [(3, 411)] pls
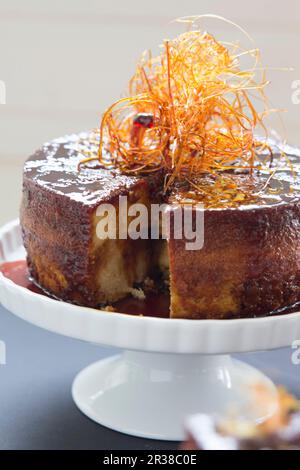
[(169, 368)]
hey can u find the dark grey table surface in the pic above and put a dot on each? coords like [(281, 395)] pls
[(36, 407)]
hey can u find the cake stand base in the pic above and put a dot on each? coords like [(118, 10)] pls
[(150, 394)]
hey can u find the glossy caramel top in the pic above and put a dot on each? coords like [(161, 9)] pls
[(55, 167)]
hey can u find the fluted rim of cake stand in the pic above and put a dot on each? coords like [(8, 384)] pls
[(141, 333)]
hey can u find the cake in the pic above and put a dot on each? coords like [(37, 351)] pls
[(279, 432), (249, 264), (58, 218), (177, 139)]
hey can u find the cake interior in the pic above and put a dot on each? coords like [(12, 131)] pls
[(123, 265)]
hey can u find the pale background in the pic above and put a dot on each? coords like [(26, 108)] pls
[(63, 62)]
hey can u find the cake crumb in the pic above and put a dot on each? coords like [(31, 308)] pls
[(137, 293), (109, 308)]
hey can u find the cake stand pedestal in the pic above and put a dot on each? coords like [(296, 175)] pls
[(170, 368), (150, 395)]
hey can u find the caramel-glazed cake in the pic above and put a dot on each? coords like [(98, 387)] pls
[(249, 264), (185, 134)]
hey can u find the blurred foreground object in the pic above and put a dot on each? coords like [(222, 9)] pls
[(280, 432)]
